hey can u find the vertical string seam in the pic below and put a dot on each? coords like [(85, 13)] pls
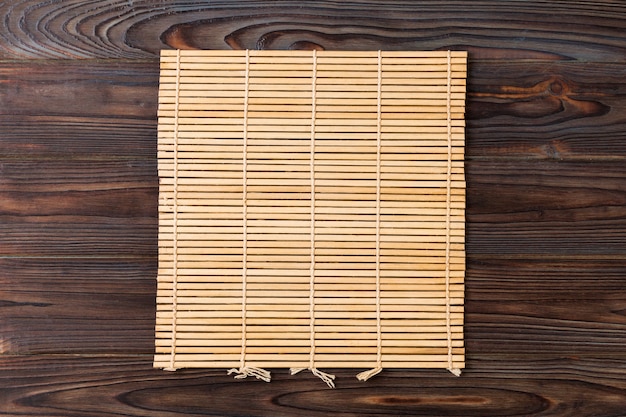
[(175, 220), (378, 176), (245, 371), (312, 235), (448, 210), (244, 205)]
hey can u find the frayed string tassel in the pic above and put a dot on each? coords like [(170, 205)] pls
[(247, 371), (328, 378), (455, 371), (365, 375)]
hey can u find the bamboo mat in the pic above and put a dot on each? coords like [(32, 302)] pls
[(311, 211)]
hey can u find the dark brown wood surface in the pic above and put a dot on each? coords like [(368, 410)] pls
[(546, 216)]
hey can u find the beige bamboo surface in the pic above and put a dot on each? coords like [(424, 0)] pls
[(311, 209)]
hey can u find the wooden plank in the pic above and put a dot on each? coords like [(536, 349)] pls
[(518, 307), (536, 207), (545, 114), (90, 386), (515, 110), (538, 296), (75, 137), (565, 210), (488, 29), (77, 208), (76, 110), (80, 88), (101, 305), (76, 236), (42, 177)]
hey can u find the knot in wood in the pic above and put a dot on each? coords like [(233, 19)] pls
[(556, 87)]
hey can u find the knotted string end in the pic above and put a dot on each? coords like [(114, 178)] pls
[(247, 371)]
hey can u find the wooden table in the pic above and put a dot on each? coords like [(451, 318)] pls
[(546, 216)]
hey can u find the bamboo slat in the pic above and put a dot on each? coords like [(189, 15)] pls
[(311, 210)]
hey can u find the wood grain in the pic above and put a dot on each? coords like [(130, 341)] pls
[(139, 29), (546, 143), (509, 311), (100, 386), (517, 109), (537, 208), (77, 305), (545, 209)]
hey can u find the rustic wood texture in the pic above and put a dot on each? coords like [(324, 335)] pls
[(546, 217)]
